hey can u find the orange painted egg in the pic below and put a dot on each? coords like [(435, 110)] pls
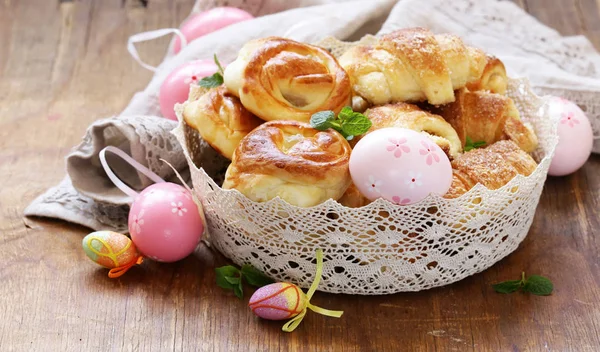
[(110, 249)]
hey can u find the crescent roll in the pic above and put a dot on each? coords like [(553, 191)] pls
[(493, 79), (290, 160), (493, 167), (412, 117), (281, 79), (220, 119), (412, 65), (487, 117)]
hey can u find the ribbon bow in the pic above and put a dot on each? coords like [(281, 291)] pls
[(294, 322)]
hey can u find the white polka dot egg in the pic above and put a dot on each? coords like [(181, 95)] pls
[(400, 165)]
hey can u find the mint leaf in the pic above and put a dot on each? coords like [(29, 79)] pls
[(538, 285), (224, 274), (509, 286), (356, 124), (470, 145), (233, 280), (221, 71), (254, 277), (322, 120), (211, 81), (535, 284), (238, 290), (345, 113), (348, 123)]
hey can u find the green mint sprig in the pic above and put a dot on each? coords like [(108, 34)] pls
[(470, 145), (348, 122), (534, 284), (216, 79), (231, 278)]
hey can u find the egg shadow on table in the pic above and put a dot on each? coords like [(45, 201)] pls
[(188, 277)]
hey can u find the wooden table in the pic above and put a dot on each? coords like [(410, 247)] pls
[(63, 64)]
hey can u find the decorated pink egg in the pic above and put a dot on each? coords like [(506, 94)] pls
[(176, 86), (278, 301), (575, 137), (400, 165), (165, 222), (210, 21)]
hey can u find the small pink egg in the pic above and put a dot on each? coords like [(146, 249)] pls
[(575, 137), (176, 86), (209, 21), (165, 223), (400, 165), (278, 301)]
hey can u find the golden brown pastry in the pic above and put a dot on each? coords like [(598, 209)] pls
[(196, 92), (281, 79), (352, 198), (412, 65), (412, 117), (487, 117), (291, 160), (493, 79), (220, 119), (493, 167)]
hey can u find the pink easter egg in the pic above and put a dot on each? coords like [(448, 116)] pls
[(209, 21), (176, 86), (400, 165), (575, 137), (278, 301), (165, 223)]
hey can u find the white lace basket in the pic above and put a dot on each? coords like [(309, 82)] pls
[(381, 248)]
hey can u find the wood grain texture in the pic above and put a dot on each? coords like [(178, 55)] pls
[(60, 66)]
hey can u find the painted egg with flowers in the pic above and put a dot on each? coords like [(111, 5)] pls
[(400, 165), (165, 223), (575, 137)]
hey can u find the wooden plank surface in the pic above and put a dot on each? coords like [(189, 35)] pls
[(60, 66)]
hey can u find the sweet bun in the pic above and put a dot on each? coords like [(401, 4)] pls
[(220, 119), (290, 160), (281, 79)]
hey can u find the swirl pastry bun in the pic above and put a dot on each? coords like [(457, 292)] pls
[(290, 160), (281, 79), (220, 119), (412, 117), (412, 65)]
